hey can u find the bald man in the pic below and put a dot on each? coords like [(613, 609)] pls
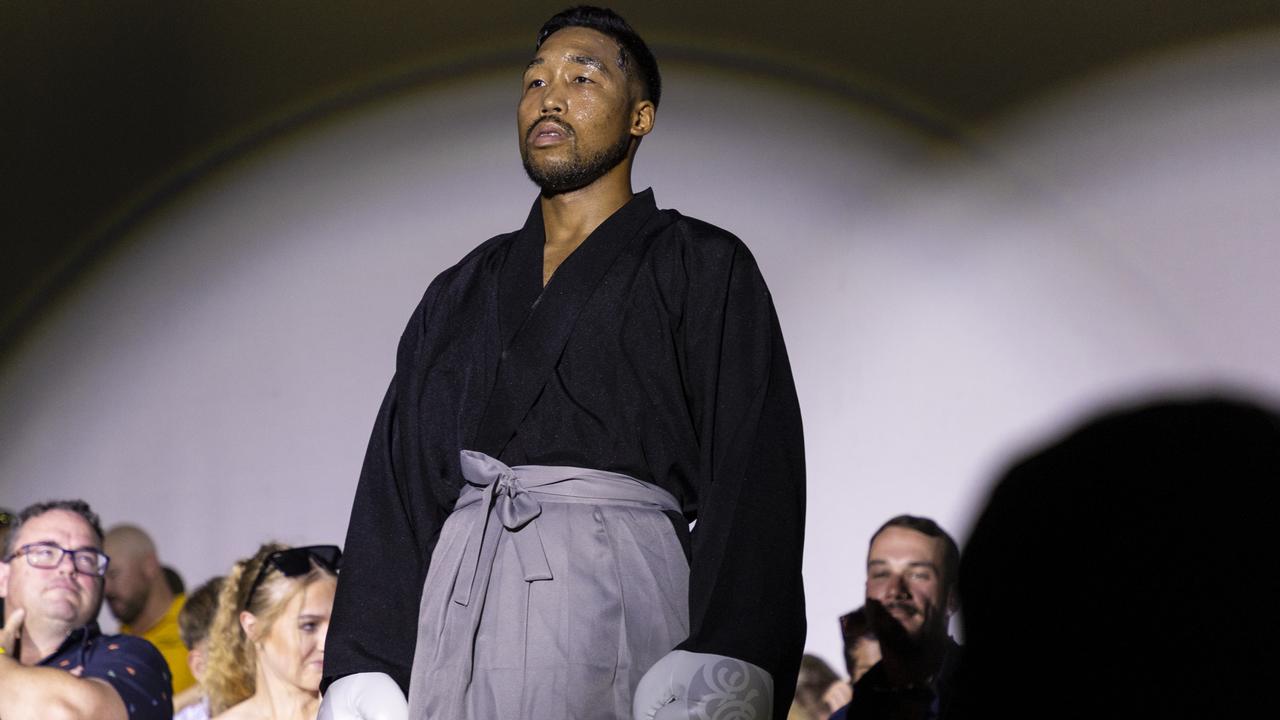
[(140, 598)]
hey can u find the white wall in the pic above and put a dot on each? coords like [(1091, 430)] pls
[(216, 377)]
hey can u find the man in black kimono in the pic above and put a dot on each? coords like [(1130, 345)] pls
[(568, 399)]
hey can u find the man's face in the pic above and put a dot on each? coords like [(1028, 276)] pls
[(905, 586), (128, 583), (575, 114), (58, 595)]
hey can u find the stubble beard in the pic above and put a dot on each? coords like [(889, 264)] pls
[(578, 172), (129, 608)]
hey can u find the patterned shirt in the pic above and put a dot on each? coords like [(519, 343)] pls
[(131, 665)]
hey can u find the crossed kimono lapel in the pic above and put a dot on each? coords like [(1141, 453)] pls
[(536, 322)]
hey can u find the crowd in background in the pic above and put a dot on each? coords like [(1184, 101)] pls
[(247, 645), (1124, 570)]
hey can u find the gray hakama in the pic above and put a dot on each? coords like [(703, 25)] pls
[(550, 593)]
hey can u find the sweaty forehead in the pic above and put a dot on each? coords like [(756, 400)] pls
[(57, 526), (575, 43)]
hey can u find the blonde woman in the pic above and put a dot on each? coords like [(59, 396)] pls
[(266, 651)]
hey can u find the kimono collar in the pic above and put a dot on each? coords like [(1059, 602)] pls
[(536, 322)]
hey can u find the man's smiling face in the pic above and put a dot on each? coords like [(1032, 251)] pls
[(905, 588)]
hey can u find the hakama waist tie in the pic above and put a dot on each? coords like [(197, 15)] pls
[(513, 498)]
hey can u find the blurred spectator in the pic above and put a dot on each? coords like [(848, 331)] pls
[(173, 580), (815, 677), (912, 566), (1129, 570), (54, 661), (7, 518), (194, 623), (266, 648), (140, 598)]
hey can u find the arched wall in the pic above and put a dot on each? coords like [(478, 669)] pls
[(214, 378)]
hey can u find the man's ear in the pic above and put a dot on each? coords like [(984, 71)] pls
[(953, 601), (4, 579), (642, 118), (151, 567)]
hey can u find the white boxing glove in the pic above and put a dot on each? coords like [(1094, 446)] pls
[(364, 696), (701, 686)]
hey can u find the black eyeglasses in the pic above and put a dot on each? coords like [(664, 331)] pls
[(296, 561), (48, 555)]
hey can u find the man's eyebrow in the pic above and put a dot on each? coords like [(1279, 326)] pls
[(586, 60)]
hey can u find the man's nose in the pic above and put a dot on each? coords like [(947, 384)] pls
[(553, 100), (67, 561), (898, 588)]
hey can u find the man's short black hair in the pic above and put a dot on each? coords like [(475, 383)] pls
[(633, 54), (926, 526), (78, 507)]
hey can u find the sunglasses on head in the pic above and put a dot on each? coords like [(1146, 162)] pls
[(296, 561)]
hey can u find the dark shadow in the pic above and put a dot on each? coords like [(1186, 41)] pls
[(1129, 570)]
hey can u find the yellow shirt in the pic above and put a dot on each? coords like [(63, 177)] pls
[(167, 640)]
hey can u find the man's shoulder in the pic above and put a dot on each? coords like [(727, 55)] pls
[(477, 264), (134, 646), (135, 669), (700, 242), (695, 230), (479, 257)]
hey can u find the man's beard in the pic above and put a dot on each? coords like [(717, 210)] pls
[(893, 631), (579, 171), (129, 608)]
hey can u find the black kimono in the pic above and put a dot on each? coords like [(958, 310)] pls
[(655, 352)]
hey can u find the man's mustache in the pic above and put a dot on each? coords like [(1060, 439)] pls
[(909, 608), (554, 120)]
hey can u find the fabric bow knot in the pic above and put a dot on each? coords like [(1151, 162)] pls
[(506, 499), (515, 506)]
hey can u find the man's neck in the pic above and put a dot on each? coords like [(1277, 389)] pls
[(914, 664), (159, 600), (40, 639), (569, 217)]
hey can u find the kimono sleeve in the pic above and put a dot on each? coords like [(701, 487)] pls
[(746, 594), (393, 527)]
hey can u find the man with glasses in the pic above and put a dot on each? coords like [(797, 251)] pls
[(54, 661)]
